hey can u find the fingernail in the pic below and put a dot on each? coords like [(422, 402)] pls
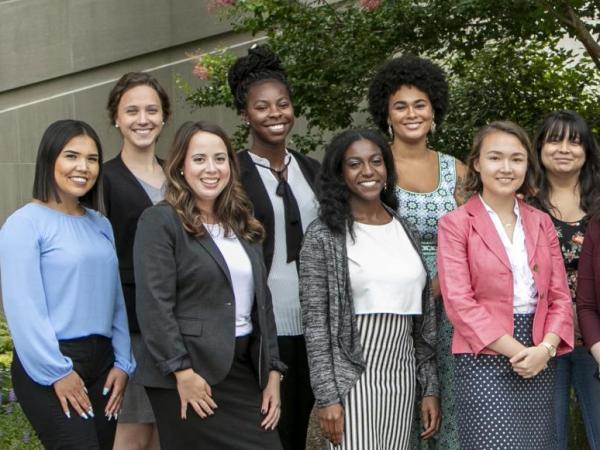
[(85, 390), (91, 412), (263, 411), (105, 391), (84, 415), (68, 414), (108, 416), (116, 416)]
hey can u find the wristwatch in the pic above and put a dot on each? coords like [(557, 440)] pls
[(551, 348)]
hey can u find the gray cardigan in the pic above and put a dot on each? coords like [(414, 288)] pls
[(332, 338)]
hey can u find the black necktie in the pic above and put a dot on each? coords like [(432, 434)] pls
[(293, 221)]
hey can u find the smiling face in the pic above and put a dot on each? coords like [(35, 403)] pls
[(364, 172), (76, 169), (410, 114), (563, 157), (206, 169), (502, 165), (140, 117), (269, 112)]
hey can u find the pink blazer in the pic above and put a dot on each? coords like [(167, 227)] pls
[(476, 278)]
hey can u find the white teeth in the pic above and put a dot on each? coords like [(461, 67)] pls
[(368, 183), (278, 127), (210, 182), (412, 126), (143, 132), (79, 180)]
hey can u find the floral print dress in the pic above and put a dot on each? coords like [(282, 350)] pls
[(423, 210)]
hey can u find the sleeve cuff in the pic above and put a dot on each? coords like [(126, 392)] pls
[(174, 364), (126, 366), (279, 366)]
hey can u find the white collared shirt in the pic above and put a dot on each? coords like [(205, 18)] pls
[(283, 276), (525, 293)]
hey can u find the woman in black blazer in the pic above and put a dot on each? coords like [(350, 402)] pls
[(134, 180), (203, 305), (280, 183)]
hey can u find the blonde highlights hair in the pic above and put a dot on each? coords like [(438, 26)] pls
[(233, 209)]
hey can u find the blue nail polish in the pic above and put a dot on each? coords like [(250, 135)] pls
[(105, 391), (91, 412), (68, 414), (84, 415)]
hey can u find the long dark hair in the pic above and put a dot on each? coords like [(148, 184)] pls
[(332, 191), (569, 124), (232, 207), (56, 136)]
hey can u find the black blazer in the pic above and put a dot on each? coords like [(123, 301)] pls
[(125, 200), (186, 305), (263, 210)]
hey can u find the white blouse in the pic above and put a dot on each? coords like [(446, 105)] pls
[(386, 272), (525, 293), (240, 270)]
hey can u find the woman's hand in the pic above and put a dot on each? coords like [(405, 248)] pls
[(331, 419), (430, 416), (271, 401), (71, 390), (195, 391), (435, 287), (115, 383), (531, 361)]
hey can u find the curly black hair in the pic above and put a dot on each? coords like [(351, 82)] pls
[(556, 127), (407, 70), (259, 65), (332, 191)]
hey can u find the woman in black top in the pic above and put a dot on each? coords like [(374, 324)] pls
[(138, 107), (279, 182)]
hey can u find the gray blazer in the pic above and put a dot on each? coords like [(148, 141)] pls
[(186, 306), (332, 339)]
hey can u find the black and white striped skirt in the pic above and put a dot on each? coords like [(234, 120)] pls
[(379, 408), (496, 408)]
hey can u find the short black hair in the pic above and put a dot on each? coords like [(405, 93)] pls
[(261, 64), (54, 140), (556, 127), (332, 191), (407, 70)]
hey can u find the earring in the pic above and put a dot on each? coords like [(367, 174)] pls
[(181, 172), (391, 130), (163, 122), (116, 125), (433, 125), (247, 123)]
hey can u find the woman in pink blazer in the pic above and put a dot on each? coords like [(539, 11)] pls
[(505, 291)]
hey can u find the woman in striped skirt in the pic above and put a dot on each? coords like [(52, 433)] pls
[(368, 317), (505, 290)]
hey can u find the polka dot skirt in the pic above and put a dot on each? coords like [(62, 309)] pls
[(496, 408)]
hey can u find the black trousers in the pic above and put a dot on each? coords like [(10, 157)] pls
[(296, 394), (92, 358)]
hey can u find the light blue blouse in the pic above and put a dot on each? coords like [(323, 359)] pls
[(60, 280)]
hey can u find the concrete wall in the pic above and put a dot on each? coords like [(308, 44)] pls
[(60, 58)]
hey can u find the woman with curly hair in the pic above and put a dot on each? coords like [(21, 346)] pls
[(408, 99), (210, 346), (369, 318), (569, 190), (280, 184)]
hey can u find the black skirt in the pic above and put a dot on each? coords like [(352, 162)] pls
[(235, 423), (498, 409)]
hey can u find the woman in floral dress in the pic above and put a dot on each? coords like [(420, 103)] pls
[(408, 98)]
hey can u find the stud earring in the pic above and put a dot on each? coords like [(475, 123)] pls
[(163, 122), (116, 125), (181, 172)]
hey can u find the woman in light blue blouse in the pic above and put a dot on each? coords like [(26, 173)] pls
[(62, 297)]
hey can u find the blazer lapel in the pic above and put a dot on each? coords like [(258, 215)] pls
[(531, 228), (485, 228), (212, 249)]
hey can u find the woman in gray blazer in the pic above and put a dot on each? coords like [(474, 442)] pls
[(368, 316), (210, 352)]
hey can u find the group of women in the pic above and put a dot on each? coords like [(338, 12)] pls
[(415, 300)]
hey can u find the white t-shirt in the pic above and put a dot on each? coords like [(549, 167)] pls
[(386, 272)]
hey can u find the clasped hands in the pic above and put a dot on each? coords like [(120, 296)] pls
[(530, 361)]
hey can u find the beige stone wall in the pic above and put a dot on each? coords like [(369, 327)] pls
[(60, 58)]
